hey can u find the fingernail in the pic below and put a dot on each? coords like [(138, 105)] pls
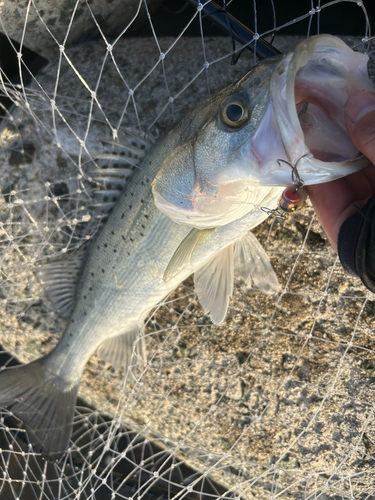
[(359, 105)]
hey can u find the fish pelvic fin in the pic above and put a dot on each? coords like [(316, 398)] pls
[(251, 262), (44, 403), (214, 284)]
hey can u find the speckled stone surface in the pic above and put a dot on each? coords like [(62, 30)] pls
[(44, 25)]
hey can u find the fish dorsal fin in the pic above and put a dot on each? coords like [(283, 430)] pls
[(118, 351), (183, 255), (60, 279), (252, 262), (113, 169), (214, 284)]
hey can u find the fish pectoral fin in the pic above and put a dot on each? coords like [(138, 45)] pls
[(45, 404), (214, 284), (183, 255), (118, 351), (252, 262), (60, 279)]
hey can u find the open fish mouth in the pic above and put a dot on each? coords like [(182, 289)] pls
[(295, 117), (309, 89)]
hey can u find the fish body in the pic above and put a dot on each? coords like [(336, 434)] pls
[(187, 209)]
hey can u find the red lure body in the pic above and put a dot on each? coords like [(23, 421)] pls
[(291, 199)]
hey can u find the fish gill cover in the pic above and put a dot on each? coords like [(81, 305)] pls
[(277, 401)]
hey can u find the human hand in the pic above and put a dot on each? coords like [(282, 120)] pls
[(334, 201)]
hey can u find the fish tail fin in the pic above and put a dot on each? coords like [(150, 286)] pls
[(44, 402)]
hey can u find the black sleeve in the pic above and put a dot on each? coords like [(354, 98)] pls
[(356, 244)]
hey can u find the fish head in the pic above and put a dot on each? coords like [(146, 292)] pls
[(206, 179), (233, 149)]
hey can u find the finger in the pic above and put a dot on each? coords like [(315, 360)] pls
[(360, 122), (335, 201)]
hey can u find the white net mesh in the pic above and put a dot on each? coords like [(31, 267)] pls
[(278, 402)]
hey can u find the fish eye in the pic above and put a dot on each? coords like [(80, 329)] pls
[(234, 113)]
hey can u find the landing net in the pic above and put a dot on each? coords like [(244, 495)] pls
[(278, 402)]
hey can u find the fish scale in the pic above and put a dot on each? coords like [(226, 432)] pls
[(134, 235), (188, 208)]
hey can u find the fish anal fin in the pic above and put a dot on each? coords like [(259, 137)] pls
[(60, 279), (118, 351), (251, 262), (183, 255), (43, 403), (214, 284)]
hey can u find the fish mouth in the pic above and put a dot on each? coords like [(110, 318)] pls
[(309, 89)]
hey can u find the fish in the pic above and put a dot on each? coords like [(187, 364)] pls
[(189, 208)]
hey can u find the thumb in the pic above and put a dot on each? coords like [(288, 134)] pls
[(360, 122)]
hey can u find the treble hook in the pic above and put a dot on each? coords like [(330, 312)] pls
[(298, 183)]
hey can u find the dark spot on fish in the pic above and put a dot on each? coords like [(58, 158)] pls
[(113, 232), (142, 226), (147, 180), (105, 245), (71, 334), (128, 253), (146, 216), (141, 201), (131, 239), (103, 271), (85, 313), (131, 194), (92, 274), (130, 207), (134, 144), (122, 215), (114, 250), (105, 199), (98, 247), (123, 237), (72, 320), (90, 288), (141, 234), (142, 183)]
